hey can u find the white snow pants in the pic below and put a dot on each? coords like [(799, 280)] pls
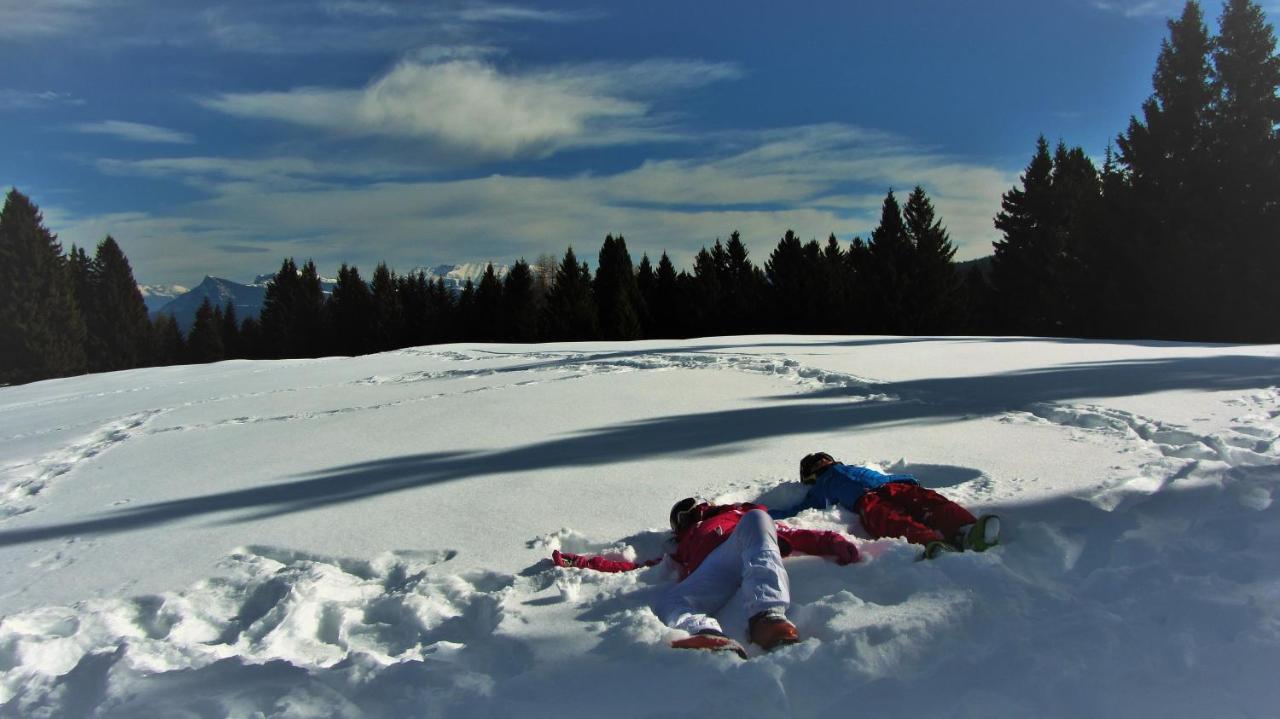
[(749, 559)]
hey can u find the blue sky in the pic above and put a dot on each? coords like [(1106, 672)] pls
[(219, 138)]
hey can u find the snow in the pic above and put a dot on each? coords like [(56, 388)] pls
[(368, 536)]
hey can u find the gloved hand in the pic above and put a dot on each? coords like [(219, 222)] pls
[(566, 559), (844, 551)]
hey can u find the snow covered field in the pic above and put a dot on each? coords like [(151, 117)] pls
[(368, 536)]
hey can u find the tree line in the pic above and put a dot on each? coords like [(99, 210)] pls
[(1176, 236)]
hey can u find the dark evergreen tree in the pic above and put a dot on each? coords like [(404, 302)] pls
[(117, 324), (891, 256), (229, 331), (279, 320), (859, 293), (667, 301), (519, 308), (441, 313), (41, 330), (834, 288), (464, 315), (167, 344), (570, 312), (204, 343), (1022, 289), (388, 317), (933, 304), (292, 321), (489, 323), (1169, 163), (743, 285), (80, 275), (616, 292), (646, 283), (309, 333), (793, 273), (415, 301), (350, 314), (705, 294), (1246, 147)]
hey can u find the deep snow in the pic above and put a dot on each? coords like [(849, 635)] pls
[(367, 536)]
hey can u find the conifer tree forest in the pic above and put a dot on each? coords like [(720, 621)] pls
[(1175, 237)]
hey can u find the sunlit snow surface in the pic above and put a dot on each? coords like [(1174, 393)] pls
[(368, 536)]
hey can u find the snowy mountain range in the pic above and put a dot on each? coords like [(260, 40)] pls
[(248, 298), (157, 296)]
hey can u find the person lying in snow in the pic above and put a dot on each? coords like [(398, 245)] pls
[(893, 505), (720, 548)]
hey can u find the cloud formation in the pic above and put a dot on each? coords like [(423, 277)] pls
[(24, 19), (26, 100), (471, 106), (816, 180), (1140, 8), (134, 131)]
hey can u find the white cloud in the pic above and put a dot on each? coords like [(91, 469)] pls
[(1141, 8), (25, 100), (134, 131), (472, 107), (27, 19), (814, 180)]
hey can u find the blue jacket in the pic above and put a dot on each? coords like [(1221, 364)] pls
[(843, 485)]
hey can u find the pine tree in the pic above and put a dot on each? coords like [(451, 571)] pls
[(292, 312), (743, 285), (80, 276), (229, 331), (167, 344), (616, 292), (834, 286), (570, 312), (118, 324), (1169, 164), (1022, 290), (464, 316), (41, 330), (891, 257), (859, 291), (791, 270), (932, 307), (1246, 146), (387, 320), (519, 310), (441, 313), (350, 314), (668, 301), (489, 323), (705, 297), (279, 310), (415, 306), (308, 335), (204, 343), (646, 283)]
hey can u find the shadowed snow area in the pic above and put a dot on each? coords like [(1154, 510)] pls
[(369, 536)]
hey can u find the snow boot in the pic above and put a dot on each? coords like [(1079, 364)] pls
[(933, 550), (712, 641), (770, 629), (982, 535)]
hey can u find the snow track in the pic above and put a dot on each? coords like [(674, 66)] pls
[(1140, 575)]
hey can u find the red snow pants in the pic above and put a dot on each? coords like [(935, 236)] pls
[(902, 509)]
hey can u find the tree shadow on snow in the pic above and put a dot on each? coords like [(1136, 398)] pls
[(926, 401)]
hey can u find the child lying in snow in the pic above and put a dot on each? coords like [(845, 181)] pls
[(893, 505), (720, 548)]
